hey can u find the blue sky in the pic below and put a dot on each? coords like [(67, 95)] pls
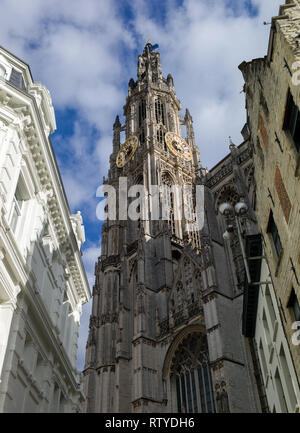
[(85, 52)]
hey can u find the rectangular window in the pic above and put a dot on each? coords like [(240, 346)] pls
[(280, 393), (294, 305), (263, 361), (18, 205), (287, 377), (16, 209), (272, 229), (292, 120), (16, 79)]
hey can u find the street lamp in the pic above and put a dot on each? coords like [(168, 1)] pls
[(239, 210)]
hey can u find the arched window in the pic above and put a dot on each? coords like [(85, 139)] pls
[(191, 376), (160, 135), (168, 201), (142, 117), (142, 136), (142, 112), (159, 111), (227, 194)]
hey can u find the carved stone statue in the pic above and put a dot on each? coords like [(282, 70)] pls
[(222, 400)]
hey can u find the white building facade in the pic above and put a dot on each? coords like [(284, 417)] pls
[(278, 372), (42, 280)]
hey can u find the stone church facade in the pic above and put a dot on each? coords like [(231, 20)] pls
[(166, 324)]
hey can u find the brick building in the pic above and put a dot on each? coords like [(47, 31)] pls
[(272, 100)]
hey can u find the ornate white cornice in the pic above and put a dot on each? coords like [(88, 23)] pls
[(21, 111)]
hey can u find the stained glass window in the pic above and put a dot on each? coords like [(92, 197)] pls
[(192, 376)]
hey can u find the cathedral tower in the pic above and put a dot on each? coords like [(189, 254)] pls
[(161, 339)]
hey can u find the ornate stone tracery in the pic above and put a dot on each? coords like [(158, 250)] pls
[(227, 194), (190, 375)]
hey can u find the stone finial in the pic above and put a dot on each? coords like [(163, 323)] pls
[(117, 123), (170, 80), (131, 83), (201, 174), (231, 144), (188, 115)]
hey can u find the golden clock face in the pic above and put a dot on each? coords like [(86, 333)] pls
[(127, 151), (178, 146)]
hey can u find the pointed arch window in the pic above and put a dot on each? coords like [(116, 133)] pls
[(191, 376), (159, 111), (160, 135), (142, 136), (168, 201), (142, 112)]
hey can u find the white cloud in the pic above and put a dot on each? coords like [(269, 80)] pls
[(202, 45), (90, 257), (73, 47), (82, 165)]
